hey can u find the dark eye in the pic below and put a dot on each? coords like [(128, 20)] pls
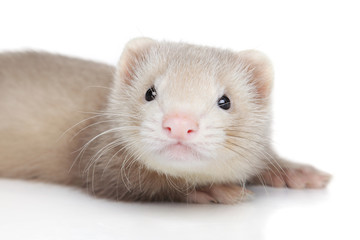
[(224, 102), (150, 94)]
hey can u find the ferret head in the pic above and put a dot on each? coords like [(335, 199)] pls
[(193, 112)]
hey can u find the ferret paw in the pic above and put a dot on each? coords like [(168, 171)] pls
[(224, 194), (298, 177)]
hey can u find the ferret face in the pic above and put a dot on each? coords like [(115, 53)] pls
[(191, 112)]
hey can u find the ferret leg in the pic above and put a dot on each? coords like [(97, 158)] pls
[(283, 173), (219, 193)]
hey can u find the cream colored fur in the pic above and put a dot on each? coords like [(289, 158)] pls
[(42, 96), (77, 122)]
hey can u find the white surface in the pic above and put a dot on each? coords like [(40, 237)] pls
[(39, 211), (315, 49)]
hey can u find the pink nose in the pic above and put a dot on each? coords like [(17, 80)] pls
[(180, 127)]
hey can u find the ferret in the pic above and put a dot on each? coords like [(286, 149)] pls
[(171, 122)]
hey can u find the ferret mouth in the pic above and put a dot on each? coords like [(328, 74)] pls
[(179, 149)]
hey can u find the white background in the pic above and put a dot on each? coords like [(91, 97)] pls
[(315, 49)]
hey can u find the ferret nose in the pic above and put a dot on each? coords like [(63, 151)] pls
[(181, 127)]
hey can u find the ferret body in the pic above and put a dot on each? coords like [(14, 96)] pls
[(172, 122)]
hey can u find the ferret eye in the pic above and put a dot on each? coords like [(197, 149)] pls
[(224, 102), (150, 94)]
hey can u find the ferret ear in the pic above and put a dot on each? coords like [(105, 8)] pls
[(261, 71), (133, 53)]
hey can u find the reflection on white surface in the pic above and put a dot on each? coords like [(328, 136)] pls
[(44, 211)]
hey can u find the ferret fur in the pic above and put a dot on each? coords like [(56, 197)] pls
[(78, 122)]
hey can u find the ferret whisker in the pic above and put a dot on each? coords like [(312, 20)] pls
[(274, 162), (134, 156), (235, 133), (122, 173), (260, 177), (110, 159), (108, 88), (242, 156), (69, 129), (258, 143), (124, 166), (89, 126), (109, 146), (86, 145), (112, 114), (271, 161), (176, 187), (257, 156), (101, 152)]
